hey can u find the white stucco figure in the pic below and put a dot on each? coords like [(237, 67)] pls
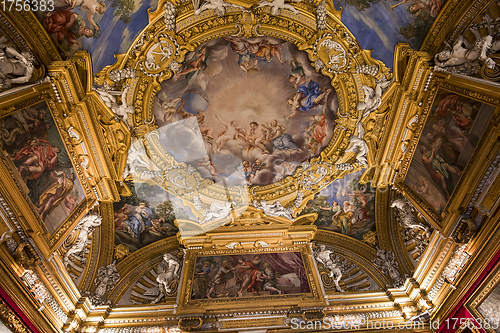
[(324, 256)]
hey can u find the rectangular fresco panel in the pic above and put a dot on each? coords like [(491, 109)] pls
[(451, 133), (30, 138), (246, 275)]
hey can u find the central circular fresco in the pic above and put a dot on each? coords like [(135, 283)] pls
[(245, 111)]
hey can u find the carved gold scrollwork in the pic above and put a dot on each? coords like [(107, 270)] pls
[(159, 57), (11, 320), (25, 255), (248, 25), (190, 323)]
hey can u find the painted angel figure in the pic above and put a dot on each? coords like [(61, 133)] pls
[(307, 97), (298, 76), (193, 65), (91, 6), (122, 111), (212, 168), (233, 131)]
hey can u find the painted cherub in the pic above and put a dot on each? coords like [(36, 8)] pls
[(247, 170), (232, 132), (257, 167)]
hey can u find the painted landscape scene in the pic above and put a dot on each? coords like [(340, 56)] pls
[(345, 206)]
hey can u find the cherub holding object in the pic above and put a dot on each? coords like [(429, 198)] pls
[(257, 167)]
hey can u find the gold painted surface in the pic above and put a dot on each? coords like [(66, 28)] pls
[(389, 131)]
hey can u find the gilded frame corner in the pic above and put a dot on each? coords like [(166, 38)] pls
[(462, 87), (23, 208), (480, 295), (188, 305)]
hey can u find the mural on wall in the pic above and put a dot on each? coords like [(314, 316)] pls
[(249, 275), (103, 28), (147, 215), (31, 139), (345, 206), (380, 24), (453, 128), (245, 111)]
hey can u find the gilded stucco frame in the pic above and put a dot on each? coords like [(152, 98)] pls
[(190, 31), (474, 169), (18, 200), (481, 293), (313, 299)]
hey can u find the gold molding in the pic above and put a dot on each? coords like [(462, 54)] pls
[(443, 222)]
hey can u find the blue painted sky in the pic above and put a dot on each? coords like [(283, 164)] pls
[(375, 28), (116, 36)]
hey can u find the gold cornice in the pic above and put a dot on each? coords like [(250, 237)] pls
[(16, 290), (32, 33), (452, 21), (483, 249)]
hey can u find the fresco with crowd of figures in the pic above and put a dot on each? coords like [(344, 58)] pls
[(249, 275), (345, 206), (245, 111), (147, 215)]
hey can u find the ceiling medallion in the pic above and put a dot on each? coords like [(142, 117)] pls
[(273, 116)]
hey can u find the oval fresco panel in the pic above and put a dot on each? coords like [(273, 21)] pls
[(245, 111)]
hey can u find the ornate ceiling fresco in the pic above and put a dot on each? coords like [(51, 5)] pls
[(167, 163)]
